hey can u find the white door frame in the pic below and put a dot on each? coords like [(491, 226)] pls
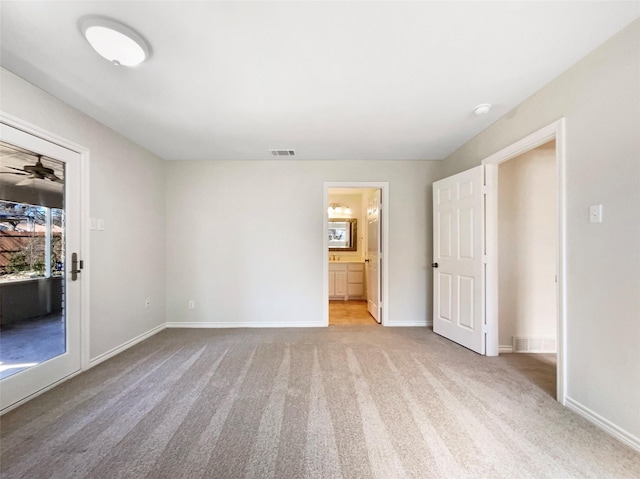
[(36, 131), (384, 276), (554, 131)]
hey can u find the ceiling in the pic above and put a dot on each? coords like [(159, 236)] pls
[(332, 80)]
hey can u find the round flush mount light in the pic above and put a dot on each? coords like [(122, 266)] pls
[(482, 109), (114, 41)]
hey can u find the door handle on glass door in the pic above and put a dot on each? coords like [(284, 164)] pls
[(74, 266)]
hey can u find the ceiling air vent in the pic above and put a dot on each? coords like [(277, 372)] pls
[(283, 152)]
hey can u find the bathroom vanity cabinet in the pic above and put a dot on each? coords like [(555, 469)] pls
[(346, 280)]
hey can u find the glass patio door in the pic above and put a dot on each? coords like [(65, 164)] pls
[(39, 239)]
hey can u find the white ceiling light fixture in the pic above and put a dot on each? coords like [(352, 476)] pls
[(482, 109), (338, 210), (114, 41)]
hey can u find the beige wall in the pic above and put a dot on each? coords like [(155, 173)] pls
[(600, 99), (245, 239), (527, 238), (127, 262)]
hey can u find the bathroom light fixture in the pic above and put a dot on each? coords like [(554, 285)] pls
[(336, 209), (482, 109), (114, 41)]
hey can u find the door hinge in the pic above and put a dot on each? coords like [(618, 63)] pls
[(485, 259), (485, 328), (485, 189)]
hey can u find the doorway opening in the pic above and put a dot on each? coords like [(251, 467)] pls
[(527, 270), (42, 311), (525, 217), (355, 253), (466, 294)]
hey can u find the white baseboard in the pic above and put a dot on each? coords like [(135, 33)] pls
[(255, 324), (408, 324), (246, 324), (505, 348), (604, 424), (533, 344), (118, 349)]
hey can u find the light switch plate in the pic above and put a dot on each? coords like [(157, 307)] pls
[(595, 214)]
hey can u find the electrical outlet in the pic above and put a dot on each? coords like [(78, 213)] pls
[(595, 214), (192, 304), (147, 303)]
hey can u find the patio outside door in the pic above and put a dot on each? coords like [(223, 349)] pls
[(39, 237)]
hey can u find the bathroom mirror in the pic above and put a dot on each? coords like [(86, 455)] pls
[(343, 234)]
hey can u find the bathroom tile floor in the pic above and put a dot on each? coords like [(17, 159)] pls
[(349, 312)]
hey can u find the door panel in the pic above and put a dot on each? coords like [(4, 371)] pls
[(374, 256), (458, 232), (444, 237), (465, 237), (54, 272), (466, 301), (444, 296)]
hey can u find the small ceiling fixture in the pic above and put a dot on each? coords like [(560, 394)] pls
[(482, 109), (114, 41)]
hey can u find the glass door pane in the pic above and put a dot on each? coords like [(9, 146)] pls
[(32, 259), (40, 228)]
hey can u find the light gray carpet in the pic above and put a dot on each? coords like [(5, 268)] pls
[(345, 401)]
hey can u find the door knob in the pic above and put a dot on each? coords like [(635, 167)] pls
[(434, 265)]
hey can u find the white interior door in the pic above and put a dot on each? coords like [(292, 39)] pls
[(374, 256), (458, 255), (33, 376)]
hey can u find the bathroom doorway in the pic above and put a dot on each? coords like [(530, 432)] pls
[(355, 253)]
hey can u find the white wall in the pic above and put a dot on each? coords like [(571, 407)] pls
[(127, 262), (527, 238), (600, 99), (245, 239)]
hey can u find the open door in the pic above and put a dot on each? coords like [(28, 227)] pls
[(458, 259), (374, 257), (40, 294)]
